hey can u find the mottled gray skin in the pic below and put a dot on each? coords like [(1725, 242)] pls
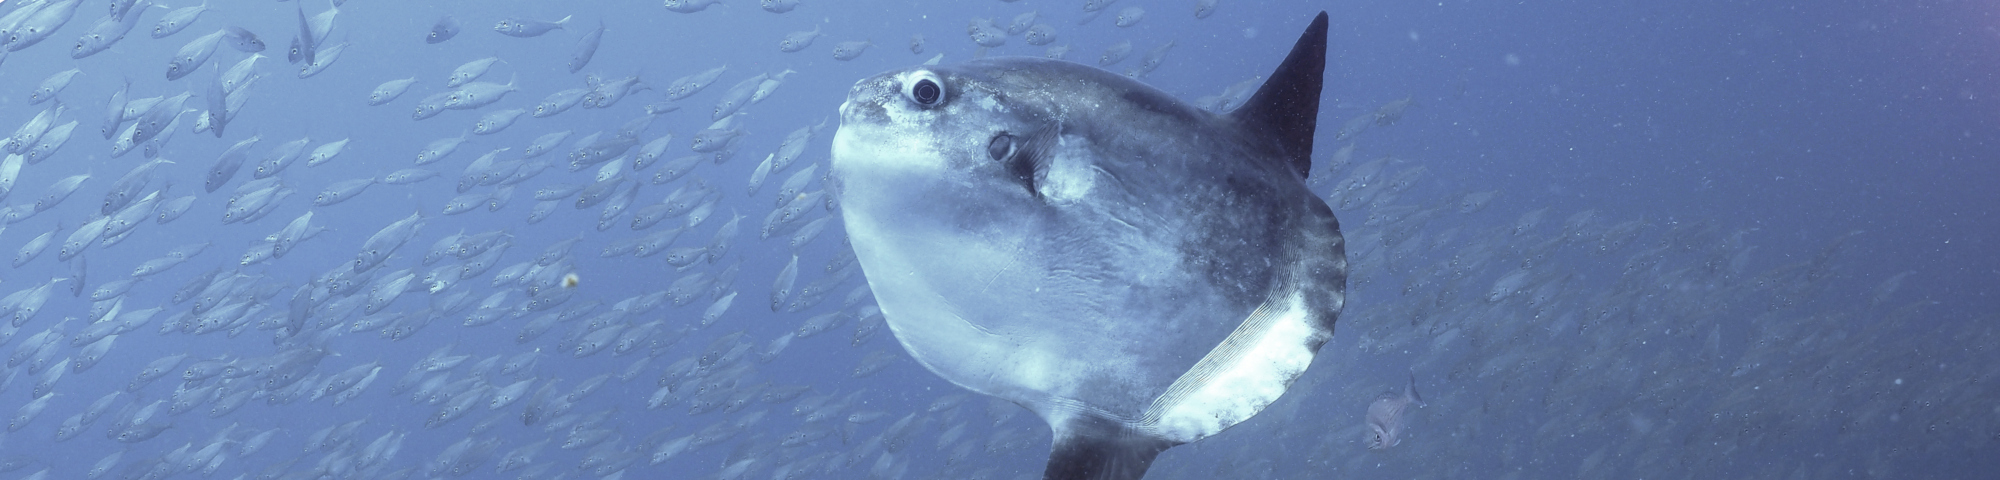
[(1127, 235)]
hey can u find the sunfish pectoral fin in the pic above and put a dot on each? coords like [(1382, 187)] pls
[(1091, 448), (1287, 106)]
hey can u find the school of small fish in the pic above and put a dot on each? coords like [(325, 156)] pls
[(280, 294)]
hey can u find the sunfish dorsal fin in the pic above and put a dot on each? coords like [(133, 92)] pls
[(1287, 106)]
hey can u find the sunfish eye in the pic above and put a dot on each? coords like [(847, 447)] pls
[(926, 92), (925, 89), (1001, 147)]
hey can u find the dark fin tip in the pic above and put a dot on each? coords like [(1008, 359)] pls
[(1287, 105), (1098, 449)]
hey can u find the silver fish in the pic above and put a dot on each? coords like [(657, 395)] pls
[(1115, 53), (845, 51), (378, 246), (560, 101), (50, 141), (440, 148), (290, 236), (280, 157), (431, 105), (794, 146), (478, 94), (524, 28), (761, 172), (1151, 61), (10, 172), (114, 118), (1385, 415), (216, 119), (713, 139), (51, 86), (178, 19), (1130, 16), (608, 93), (544, 143), (445, 28), (469, 71), (1057, 52), (796, 41), (242, 40), (690, 6), (737, 96), (342, 191), (985, 34), (1022, 22), (1041, 34), (240, 74), (192, 55), (231, 160), (102, 36), (496, 121), (1204, 8), (127, 188), (408, 176), (675, 169), (325, 58), (59, 191), (326, 152), (779, 6), (171, 209), (389, 90), (35, 246), (39, 25), (586, 48), (687, 86), (650, 152), (26, 136), (781, 287)]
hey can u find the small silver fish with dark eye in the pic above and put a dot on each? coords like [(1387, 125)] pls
[(1385, 416)]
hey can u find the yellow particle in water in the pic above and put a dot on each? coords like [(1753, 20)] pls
[(570, 280)]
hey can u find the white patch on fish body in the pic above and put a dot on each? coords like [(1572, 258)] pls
[(1240, 377)]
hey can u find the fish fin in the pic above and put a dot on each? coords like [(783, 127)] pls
[(1411, 389), (1287, 105), (1088, 448)]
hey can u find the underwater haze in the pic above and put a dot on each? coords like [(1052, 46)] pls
[(558, 239)]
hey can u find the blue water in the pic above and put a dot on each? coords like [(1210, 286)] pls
[(1781, 163)]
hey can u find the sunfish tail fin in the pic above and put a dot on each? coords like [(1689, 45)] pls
[(1287, 105), (1099, 449)]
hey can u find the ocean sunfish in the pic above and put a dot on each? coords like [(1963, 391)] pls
[(1137, 271)]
